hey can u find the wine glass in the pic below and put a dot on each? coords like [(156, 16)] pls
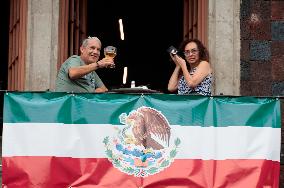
[(110, 52)]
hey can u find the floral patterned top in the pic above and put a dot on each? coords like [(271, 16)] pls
[(204, 88)]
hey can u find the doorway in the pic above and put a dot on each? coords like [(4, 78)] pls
[(150, 27)]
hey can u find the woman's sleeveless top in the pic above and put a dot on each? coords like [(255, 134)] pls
[(204, 88)]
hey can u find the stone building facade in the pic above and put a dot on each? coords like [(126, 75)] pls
[(245, 41)]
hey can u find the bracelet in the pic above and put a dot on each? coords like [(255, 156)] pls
[(98, 65)]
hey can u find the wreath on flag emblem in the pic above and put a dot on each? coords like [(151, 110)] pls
[(143, 147)]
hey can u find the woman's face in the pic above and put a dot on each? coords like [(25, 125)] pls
[(191, 52)]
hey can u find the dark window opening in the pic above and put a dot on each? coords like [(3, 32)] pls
[(150, 27), (4, 34), (4, 38)]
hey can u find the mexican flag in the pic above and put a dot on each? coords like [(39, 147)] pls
[(67, 140)]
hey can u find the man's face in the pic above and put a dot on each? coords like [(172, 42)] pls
[(91, 53)]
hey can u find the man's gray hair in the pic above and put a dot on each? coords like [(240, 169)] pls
[(86, 41)]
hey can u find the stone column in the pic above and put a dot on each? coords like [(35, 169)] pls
[(42, 40), (224, 45)]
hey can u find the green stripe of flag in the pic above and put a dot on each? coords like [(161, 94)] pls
[(105, 109)]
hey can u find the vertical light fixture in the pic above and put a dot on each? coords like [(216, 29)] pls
[(124, 75), (121, 29)]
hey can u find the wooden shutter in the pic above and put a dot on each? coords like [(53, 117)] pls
[(196, 19), (72, 28), (17, 44)]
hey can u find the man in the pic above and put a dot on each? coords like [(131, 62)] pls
[(77, 73)]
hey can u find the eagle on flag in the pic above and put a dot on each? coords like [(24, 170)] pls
[(147, 127)]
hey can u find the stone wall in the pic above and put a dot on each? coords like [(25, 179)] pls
[(262, 47), (262, 53), (224, 45), (42, 41)]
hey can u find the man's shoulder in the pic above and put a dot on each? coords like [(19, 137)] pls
[(73, 60)]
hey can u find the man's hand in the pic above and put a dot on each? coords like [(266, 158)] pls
[(101, 89), (106, 63)]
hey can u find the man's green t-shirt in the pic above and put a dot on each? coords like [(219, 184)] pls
[(87, 83)]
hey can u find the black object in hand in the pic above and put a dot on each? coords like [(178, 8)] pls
[(172, 50)]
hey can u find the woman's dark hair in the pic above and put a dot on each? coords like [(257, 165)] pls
[(203, 52)]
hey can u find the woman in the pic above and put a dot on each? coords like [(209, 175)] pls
[(193, 74)]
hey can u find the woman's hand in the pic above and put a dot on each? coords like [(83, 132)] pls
[(174, 59), (179, 61)]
